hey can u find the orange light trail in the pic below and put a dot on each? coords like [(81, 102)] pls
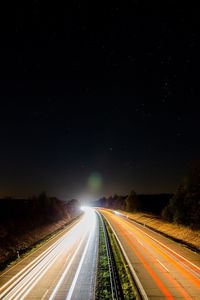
[(184, 272), (123, 226)]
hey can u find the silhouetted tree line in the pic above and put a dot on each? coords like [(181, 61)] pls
[(184, 206), (25, 221), (37, 209), (150, 203)]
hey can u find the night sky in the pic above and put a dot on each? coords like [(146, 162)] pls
[(98, 98)]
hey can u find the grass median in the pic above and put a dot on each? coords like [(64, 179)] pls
[(103, 286), (125, 276)]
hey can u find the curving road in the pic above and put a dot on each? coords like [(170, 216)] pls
[(166, 269), (63, 268)]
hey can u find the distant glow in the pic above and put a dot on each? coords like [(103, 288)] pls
[(85, 208), (85, 200)]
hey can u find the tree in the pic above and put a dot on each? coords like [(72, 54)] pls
[(184, 207), (131, 202)]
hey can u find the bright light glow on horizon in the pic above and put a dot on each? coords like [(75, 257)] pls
[(86, 200), (86, 208)]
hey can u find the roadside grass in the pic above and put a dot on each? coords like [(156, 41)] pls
[(103, 286), (125, 277), (27, 249), (178, 232)]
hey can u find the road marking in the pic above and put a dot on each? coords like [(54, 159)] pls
[(27, 284), (45, 294), (71, 290), (162, 265), (177, 263), (140, 242), (166, 247), (161, 285), (179, 287), (135, 276), (33, 264), (63, 232), (66, 270), (28, 281)]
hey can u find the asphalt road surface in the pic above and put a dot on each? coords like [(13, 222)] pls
[(166, 269), (64, 268)]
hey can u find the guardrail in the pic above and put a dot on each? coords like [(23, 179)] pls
[(117, 293)]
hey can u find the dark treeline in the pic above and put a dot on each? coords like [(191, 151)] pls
[(37, 209), (183, 207), (24, 222), (152, 203)]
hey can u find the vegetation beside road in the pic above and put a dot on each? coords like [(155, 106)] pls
[(122, 267), (25, 223), (178, 232), (176, 215), (103, 282), (103, 285)]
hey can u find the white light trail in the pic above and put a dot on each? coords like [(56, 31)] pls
[(20, 285), (81, 262)]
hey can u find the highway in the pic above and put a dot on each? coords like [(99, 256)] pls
[(63, 268), (164, 268)]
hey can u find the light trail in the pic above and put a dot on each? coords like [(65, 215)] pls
[(26, 270), (57, 240), (152, 253), (22, 284), (65, 272), (177, 255), (69, 296), (173, 260)]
